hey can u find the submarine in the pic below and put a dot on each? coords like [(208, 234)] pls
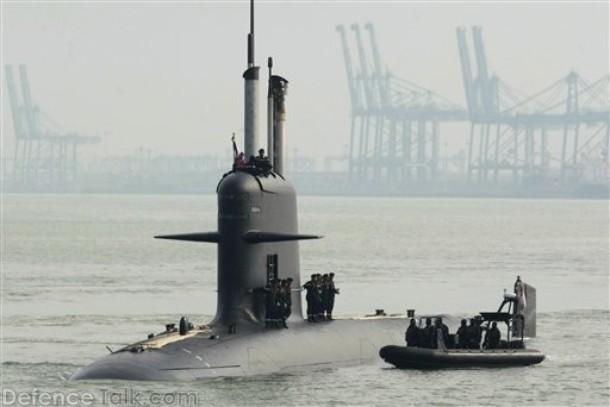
[(257, 242)]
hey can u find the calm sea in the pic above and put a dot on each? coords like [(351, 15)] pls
[(82, 272)]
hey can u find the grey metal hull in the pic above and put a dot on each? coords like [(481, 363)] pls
[(253, 351)]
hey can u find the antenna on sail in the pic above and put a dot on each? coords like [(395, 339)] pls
[(251, 94), (251, 37)]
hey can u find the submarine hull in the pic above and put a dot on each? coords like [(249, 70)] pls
[(215, 353), (421, 358)]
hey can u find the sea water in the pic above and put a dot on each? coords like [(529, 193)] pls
[(81, 273)]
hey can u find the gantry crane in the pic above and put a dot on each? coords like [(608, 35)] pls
[(394, 132), (563, 128), (43, 158)]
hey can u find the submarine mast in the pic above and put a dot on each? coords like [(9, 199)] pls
[(251, 94)]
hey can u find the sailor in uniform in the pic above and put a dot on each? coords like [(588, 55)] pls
[(463, 336), (428, 339), (310, 287), (331, 291), (412, 334), (492, 337)]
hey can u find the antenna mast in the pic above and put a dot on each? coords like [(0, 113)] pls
[(251, 94), (251, 37)]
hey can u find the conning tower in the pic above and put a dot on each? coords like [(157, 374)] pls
[(257, 213)]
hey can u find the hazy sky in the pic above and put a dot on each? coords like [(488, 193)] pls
[(166, 76)]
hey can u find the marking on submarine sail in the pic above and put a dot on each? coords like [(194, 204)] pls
[(272, 265)]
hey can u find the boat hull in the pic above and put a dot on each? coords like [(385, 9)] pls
[(420, 358)]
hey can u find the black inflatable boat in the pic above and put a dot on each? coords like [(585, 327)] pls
[(439, 349), (404, 357)]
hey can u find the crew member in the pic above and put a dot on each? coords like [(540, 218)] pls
[(287, 299), (463, 335), (262, 163), (331, 291), (239, 159), (492, 337), (310, 287), (428, 339), (274, 304), (324, 295), (319, 311), (475, 334), (438, 323), (412, 334)]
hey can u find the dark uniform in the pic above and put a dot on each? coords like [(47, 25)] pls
[(287, 299), (475, 334), (412, 334), (324, 295), (276, 295), (463, 334), (331, 292), (262, 163), (492, 337), (428, 339), (319, 305), (310, 286)]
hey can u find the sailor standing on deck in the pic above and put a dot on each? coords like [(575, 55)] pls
[(310, 287), (262, 163), (239, 159), (286, 300), (319, 305), (324, 295), (331, 291)]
